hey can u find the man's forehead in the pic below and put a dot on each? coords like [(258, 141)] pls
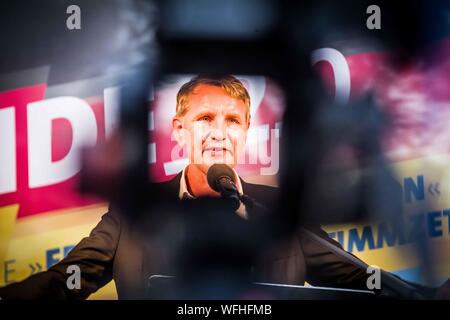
[(204, 89), (212, 95)]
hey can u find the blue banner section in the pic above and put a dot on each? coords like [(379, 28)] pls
[(415, 227)]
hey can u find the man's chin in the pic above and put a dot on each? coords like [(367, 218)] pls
[(207, 163), (210, 158)]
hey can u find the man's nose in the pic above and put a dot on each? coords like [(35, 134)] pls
[(218, 130)]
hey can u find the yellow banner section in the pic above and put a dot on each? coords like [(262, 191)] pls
[(402, 259), (39, 241), (425, 185), (31, 244), (7, 220)]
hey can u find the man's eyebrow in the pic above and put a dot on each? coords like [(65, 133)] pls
[(203, 113), (234, 115)]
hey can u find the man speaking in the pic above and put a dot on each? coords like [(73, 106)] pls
[(212, 121)]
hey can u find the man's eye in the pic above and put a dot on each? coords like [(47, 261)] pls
[(235, 121), (205, 118)]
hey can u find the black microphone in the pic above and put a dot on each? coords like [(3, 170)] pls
[(221, 179)]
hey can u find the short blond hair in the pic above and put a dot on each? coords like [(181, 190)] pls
[(230, 84)]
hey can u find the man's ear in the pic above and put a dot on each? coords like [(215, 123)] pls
[(178, 131)]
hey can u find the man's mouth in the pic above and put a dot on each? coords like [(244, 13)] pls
[(216, 150)]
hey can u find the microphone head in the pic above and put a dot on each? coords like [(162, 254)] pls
[(217, 171)]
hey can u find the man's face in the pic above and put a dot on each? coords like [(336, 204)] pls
[(214, 127)]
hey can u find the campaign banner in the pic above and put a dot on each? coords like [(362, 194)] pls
[(43, 128)]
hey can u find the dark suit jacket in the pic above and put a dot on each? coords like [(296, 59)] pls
[(113, 250)]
